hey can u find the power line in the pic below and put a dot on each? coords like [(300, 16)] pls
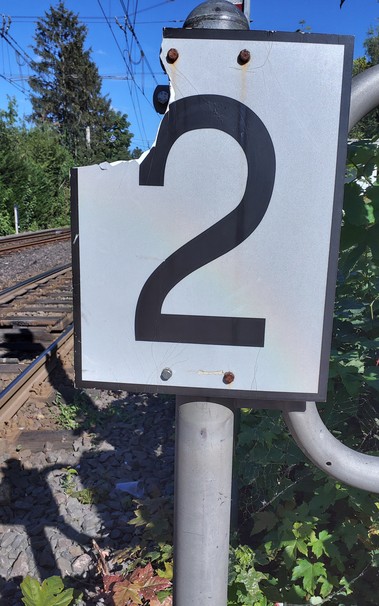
[(102, 76), (19, 88), (143, 10), (27, 58), (132, 31), (22, 57), (132, 78), (129, 49)]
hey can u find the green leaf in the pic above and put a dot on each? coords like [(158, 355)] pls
[(319, 546), (309, 573), (264, 520), (31, 590), (291, 550), (167, 573), (326, 588), (346, 585), (357, 211), (50, 593)]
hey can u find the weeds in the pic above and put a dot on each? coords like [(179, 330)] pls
[(86, 496)]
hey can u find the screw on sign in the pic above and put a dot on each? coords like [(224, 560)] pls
[(172, 55), (243, 57)]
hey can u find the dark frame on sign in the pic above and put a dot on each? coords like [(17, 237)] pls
[(348, 43)]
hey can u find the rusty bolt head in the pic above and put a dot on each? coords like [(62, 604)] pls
[(172, 55), (228, 377), (244, 57)]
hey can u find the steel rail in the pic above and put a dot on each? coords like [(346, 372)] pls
[(16, 242), (17, 392), (22, 287)]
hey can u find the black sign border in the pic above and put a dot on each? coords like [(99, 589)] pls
[(206, 393)]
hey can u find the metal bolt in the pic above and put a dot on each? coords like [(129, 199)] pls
[(228, 378), (244, 57), (172, 55), (166, 374)]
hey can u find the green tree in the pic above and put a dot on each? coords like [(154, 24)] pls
[(67, 91), (48, 163), (34, 175), (13, 174)]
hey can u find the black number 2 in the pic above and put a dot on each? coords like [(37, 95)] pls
[(241, 123)]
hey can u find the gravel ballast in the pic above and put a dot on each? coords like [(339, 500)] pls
[(62, 488), (28, 262)]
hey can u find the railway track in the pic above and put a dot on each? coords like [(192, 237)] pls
[(16, 242), (35, 333)]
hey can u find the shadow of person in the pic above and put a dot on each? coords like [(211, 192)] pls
[(10, 594), (120, 439), (20, 344), (129, 461), (31, 507)]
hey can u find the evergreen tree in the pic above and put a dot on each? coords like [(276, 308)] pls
[(67, 91)]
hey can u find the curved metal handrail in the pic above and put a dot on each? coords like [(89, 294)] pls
[(328, 453), (307, 428)]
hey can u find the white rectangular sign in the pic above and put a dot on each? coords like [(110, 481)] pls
[(208, 267)]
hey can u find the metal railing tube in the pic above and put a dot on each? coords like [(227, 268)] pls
[(364, 94), (306, 427), (328, 453)]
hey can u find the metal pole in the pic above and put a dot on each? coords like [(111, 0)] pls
[(204, 446), (203, 480), (15, 211)]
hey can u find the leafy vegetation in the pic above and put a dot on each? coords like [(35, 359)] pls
[(50, 593), (311, 539), (86, 496), (34, 175), (142, 585), (79, 412)]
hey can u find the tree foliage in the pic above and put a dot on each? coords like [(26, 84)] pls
[(67, 92), (34, 175), (315, 540)]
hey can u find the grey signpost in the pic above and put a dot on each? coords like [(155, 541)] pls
[(209, 286)]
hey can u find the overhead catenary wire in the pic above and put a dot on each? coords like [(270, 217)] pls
[(22, 57), (137, 78), (134, 35), (19, 88), (140, 127), (11, 41), (129, 50), (131, 81)]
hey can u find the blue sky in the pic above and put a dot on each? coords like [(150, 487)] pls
[(109, 43)]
